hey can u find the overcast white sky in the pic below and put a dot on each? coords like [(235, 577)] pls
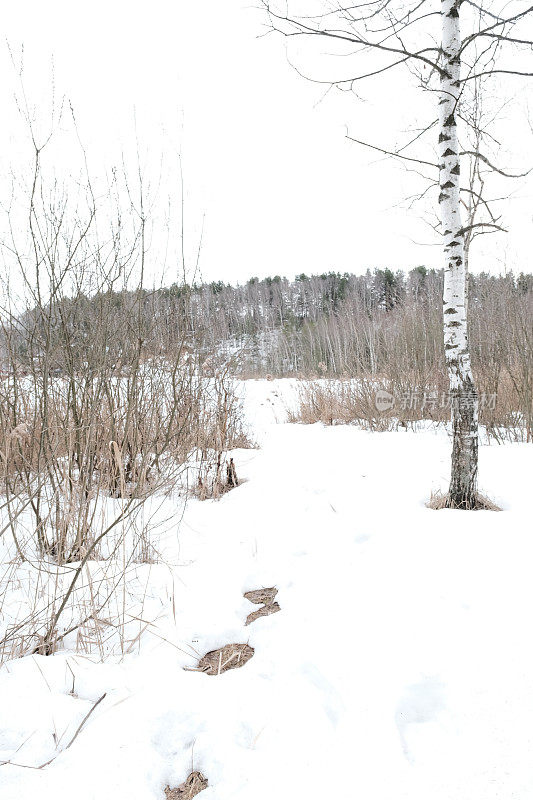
[(281, 188)]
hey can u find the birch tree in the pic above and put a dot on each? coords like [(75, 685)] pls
[(425, 37)]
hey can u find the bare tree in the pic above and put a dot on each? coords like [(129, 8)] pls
[(425, 37), (101, 412)]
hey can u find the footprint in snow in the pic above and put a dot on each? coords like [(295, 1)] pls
[(331, 699), (421, 703)]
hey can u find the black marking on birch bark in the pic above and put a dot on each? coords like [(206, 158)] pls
[(448, 152), (446, 233), (453, 12), (456, 170), (450, 310), (451, 346), (443, 196), (443, 137), (450, 121), (448, 185), (454, 244), (453, 324)]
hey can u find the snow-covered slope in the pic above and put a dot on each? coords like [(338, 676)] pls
[(398, 667)]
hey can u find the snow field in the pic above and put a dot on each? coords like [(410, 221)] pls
[(398, 667)]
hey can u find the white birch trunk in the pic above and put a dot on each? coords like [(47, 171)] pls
[(464, 401)]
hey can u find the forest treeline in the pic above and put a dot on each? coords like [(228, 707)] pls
[(382, 325), (331, 324), (337, 324)]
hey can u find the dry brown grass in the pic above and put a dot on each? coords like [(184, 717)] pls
[(71, 491), (336, 401), (216, 476), (193, 785), (104, 404), (264, 611), (416, 398), (261, 596), (264, 598), (231, 656), (439, 501)]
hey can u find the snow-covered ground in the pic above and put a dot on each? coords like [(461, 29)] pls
[(399, 666)]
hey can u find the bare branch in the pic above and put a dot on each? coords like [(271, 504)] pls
[(492, 225), (299, 28), (491, 72), (392, 153), (499, 23), (494, 168)]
